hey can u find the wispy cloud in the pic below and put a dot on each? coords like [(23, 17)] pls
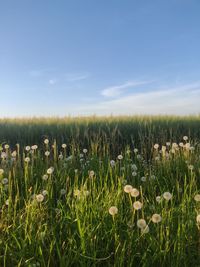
[(180, 100), (39, 72), (73, 77), (52, 81), (117, 90)]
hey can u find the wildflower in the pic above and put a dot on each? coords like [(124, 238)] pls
[(27, 148), (137, 205), (128, 188), (1, 171), (39, 198), (45, 177), (4, 181), (168, 143), (134, 167), (181, 144), (44, 192), (190, 167), (187, 146), (143, 179), (91, 174), (34, 147), (198, 218), (120, 157), (64, 145), (27, 159), (156, 218), (167, 196), (81, 155), (113, 210), (6, 146), (60, 157), (156, 146), (158, 199), (85, 150), (197, 197), (141, 223), (145, 230), (46, 141), (135, 150), (63, 191), (47, 153), (163, 149), (50, 170), (112, 163), (14, 154), (134, 173), (7, 202), (185, 138), (135, 192)]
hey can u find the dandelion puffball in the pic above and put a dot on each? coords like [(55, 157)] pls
[(135, 192), (141, 223), (156, 218), (167, 196), (137, 205), (197, 197), (128, 188), (39, 198), (113, 210)]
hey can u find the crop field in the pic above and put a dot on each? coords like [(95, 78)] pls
[(113, 191)]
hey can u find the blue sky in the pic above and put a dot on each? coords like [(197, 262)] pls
[(83, 57)]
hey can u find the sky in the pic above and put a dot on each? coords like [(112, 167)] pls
[(103, 57)]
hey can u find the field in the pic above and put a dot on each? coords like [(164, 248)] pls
[(115, 191)]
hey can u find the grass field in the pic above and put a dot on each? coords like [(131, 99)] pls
[(116, 191)]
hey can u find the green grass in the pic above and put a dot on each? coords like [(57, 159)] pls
[(72, 225)]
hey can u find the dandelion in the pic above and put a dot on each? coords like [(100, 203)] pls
[(27, 148), (143, 179), (135, 150), (181, 144), (47, 153), (34, 147), (64, 145), (145, 230), (91, 174), (135, 192), (46, 141), (113, 210), (112, 163), (156, 218), (141, 223), (128, 188), (1, 171), (168, 143), (134, 173), (6, 146), (60, 157), (134, 167), (137, 205), (197, 197), (14, 154), (50, 170), (163, 149), (156, 146), (7, 202), (85, 150), (63, 191), (39, 197), (190, 167), (45, 177), (4, 181), (198, 218), (27, 159), (44, 192), (158, 199), (167, 196), (187, 146), (120, 157), (185, 138)]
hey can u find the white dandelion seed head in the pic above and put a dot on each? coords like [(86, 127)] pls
[(45, 177), (44, 192), (39, 197), (167, 196), (50, 170), (134, 173), (168, 143), (137, 205), (112, 163), (181, 144), (128, 188), (46, 141), (141, 223), (145, 230), (34, 147), (156, 146), (27, 148), (158, 199), (135, 192), (197, 197), (120, 157), (27, 159), (4, 181), (185, 138), (91, 174), (134, 167), (156, 218), (1, 171), (85, 150), (143, 179), (6, 146), (47, 153), (135, 150), (14, 154), (113, 210), (64, 145)]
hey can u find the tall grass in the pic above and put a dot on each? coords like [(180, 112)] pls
[(55, 207)]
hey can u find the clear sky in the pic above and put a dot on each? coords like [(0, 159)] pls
[(82, 57)]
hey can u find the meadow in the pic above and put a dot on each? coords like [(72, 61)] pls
[(113, 191)]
